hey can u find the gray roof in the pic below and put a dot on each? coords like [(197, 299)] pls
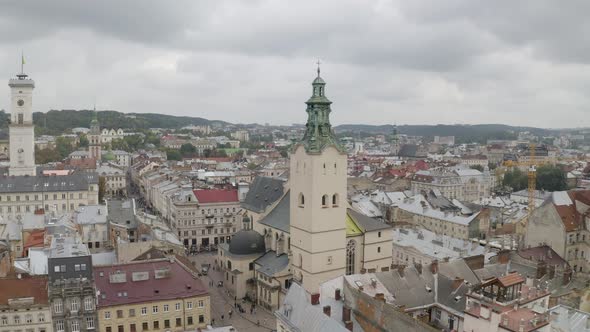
[(367, 224), (411, 288), (458, 269), (247, 242), (300, 315), (91, 214), (279, 217), (71, 182), (565, 318), (270, 263), (122, 212), (263, 192)]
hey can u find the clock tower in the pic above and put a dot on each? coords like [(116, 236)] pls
[(318, 197), (21, 129)]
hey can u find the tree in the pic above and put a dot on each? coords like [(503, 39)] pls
[(102, 186), (173, 154), (44, 156), (134, 142), (188, 149), (477, 167), (120, 144), (515, 179), (63, 147), (551, 178), (83, 141)]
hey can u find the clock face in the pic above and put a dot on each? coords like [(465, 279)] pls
[(20, 102)]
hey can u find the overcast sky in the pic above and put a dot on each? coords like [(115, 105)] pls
[(404, 62)]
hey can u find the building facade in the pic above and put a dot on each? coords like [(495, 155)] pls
[(61, 193), (21, 129), (24, 305), (318, 197), (95, 140), (204, 217), (71, 288), (153, 295)]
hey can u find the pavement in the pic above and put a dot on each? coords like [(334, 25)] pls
[(222, 303)]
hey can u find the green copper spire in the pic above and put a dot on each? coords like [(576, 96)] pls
[(94, 125), (318, 132)]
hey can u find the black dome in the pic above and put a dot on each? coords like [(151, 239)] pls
[(246, 243)]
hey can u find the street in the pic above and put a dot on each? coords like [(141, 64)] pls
[(221, 303)]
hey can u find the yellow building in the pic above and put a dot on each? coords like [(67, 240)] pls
[(155, 295)]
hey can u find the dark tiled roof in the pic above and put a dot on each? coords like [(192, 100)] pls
[(247, 242), (71, 182), (367, 224), (35, 287), (177, 283), (279, 217), (263, 192), (270, 263)]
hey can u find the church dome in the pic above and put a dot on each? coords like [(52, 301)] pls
[(247, 243), (318, 80)]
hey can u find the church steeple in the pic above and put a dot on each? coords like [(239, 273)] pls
[(319, 133)]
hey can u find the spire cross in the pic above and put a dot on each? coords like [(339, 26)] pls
[(318, 63)]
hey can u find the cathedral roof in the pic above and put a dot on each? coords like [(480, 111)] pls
[(263, 192)]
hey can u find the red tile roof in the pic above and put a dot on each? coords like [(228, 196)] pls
[(511, 279), (216, 195), (35, 287), (179, 283), (35, 239)]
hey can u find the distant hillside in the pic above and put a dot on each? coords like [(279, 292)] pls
[(54, 121), (462, 133)]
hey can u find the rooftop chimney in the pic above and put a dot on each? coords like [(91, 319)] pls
[(345, 314), (348, 325), (315, 299), (503, 256), (380, 297), (327, 310), (434, 267)]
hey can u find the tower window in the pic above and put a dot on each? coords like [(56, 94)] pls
[(20, 118), (335, 199), (301, 200), (325, 201)]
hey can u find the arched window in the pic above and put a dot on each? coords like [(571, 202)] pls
[(335, 200), (301, 200), (229, 265), (350, 256), (325, 201)]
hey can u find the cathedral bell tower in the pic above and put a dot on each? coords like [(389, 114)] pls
[(318, 197), (21, 129), (94, 139)]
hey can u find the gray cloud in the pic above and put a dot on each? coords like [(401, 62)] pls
[(458, 61)]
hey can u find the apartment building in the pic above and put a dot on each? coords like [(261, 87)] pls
[(208, 216), (62, 193), (154, 295), (24, 305)]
